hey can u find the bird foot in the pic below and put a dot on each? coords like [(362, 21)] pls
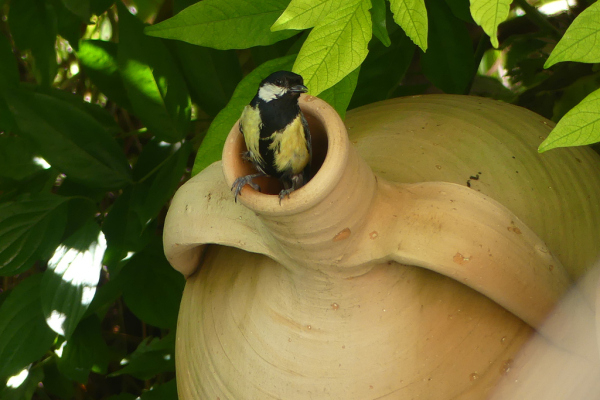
[(243, 181), (285, 192)]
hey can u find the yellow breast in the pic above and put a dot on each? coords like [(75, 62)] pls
[(289, 145)]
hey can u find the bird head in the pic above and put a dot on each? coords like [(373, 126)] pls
[(281, 84)]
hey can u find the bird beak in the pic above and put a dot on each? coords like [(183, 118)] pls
[(299, 89)]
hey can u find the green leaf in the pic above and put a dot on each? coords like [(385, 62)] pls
[(212, 81), (30, 230), (27, 388), (56, 383), (411, 15), (150, 196), (105, 118), (70, 139), (69, 283), (461, 9), (84, 352), (166, 391), (158, 171), (99, 62), (98, 7), (580, 42), (69, 25), (81, 8), (489, 14), (574, 94), (152, 357), (305, 14), (123, 396), (383, 69), (212, 146), (24, 335), (223, 25), (336, 46), (38, 182), (9, 73), (157, 91), (123, 228), (106, 295), (378, 16), (16, 158), (449, 63), (339, 95), (147, 10), (33, 27), (152, 289), (578, 127)]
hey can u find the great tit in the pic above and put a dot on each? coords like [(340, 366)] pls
[(276, 134)]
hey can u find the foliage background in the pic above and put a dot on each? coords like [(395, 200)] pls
[(106, 107)]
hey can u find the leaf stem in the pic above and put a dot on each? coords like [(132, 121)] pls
[(539, 19), (483, 44)]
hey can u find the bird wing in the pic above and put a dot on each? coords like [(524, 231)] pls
[(250, 127)]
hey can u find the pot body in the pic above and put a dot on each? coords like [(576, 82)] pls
[(251, 329), (279, 325)]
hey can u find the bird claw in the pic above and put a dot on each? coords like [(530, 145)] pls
[(243, 181), (285, 192)]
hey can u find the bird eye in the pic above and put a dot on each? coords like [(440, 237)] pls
[(279, 82)]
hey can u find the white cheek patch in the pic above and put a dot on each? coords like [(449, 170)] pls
[(270, 92)]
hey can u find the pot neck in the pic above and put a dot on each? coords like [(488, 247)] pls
[(318, 225)]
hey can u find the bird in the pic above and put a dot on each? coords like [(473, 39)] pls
[(276, 134)]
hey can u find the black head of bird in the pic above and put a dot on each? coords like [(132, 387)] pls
[(276, 134)]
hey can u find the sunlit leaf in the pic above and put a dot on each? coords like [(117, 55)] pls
[(156, 89), (30, 229), (69, 283), (411, 15), (99, 61), (305, 14), (234, 24), (449, 63), (24, 335), (26, 389), (152, 289), (578, 127), (212, 146), (84, 352), (70, 139), (580, 42), (378, 15), (336, 46), (489, 14), (339, 95), (153, 356)]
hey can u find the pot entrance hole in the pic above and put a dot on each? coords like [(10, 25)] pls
[(273, 186)]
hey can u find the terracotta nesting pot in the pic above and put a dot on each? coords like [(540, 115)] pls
[(386, 276)]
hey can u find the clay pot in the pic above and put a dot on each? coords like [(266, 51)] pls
[(371, 282)]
